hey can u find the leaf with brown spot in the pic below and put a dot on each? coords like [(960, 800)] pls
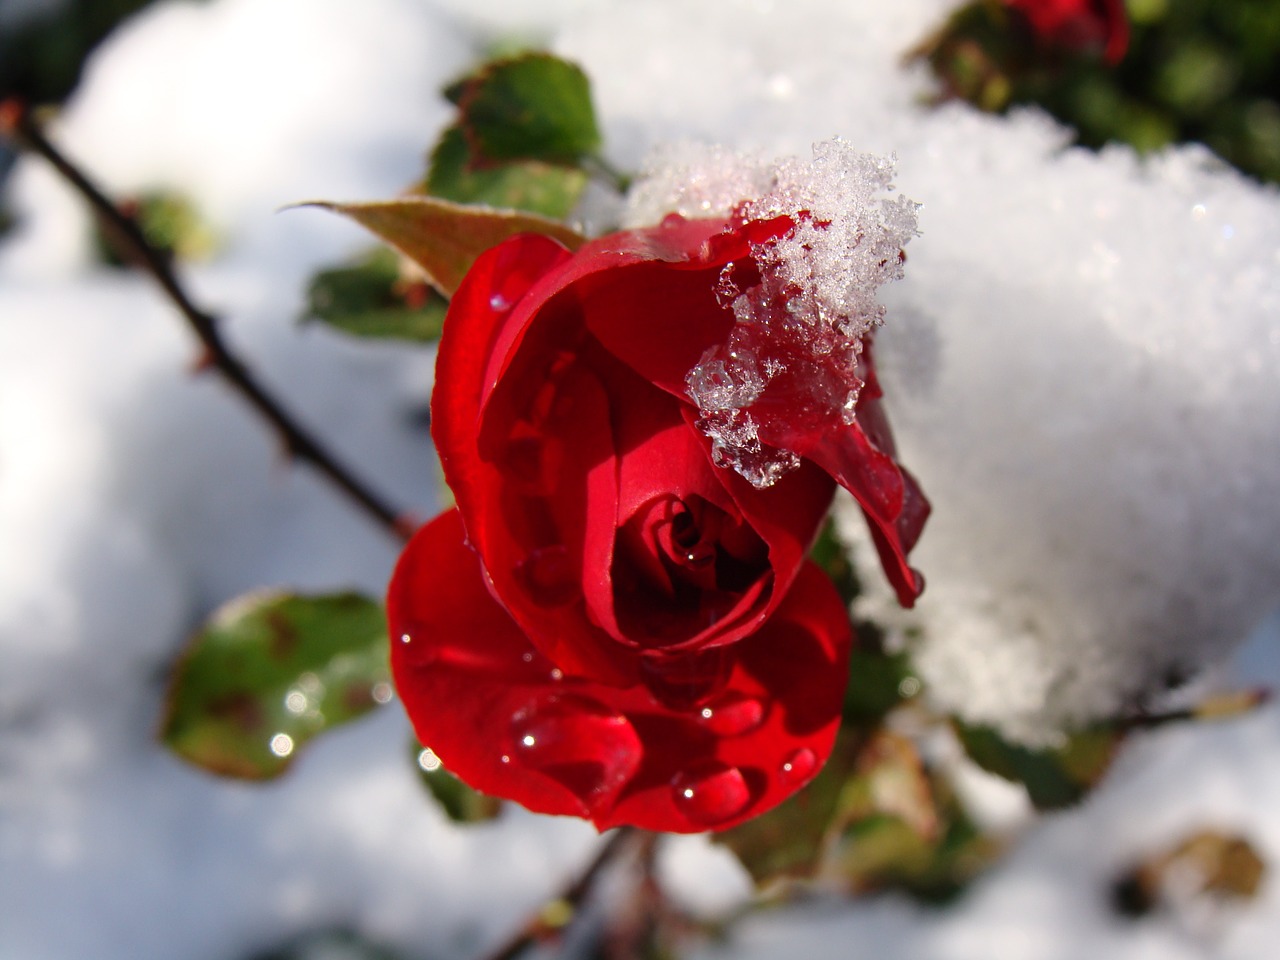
[(269, 665)]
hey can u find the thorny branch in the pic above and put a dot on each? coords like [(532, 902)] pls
[(123, 233), (128, 241), (566, 904)]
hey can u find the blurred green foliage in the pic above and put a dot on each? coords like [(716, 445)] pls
[(42, 56), (1196, 70), (1204, 71)]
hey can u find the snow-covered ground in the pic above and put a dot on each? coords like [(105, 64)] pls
[(1083, 364)]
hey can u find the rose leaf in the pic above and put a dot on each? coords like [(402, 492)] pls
[(270, 671), (530, 107), (445, 238), (372, 298), (537, 186), (1055, 777)]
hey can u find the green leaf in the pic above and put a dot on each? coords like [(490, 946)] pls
[(531, 107), (446, 238), (1054, 777), (551, 190), (270, 671), (459, 802), (371, 298)]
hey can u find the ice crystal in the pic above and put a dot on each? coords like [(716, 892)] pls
[(800, 325)]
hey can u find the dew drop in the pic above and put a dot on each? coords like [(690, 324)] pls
[(579, 742), (428, 760), (711, 795), (732, 715), (405, 638), (281, 744), (382, 692), (799, 767), (687, 681), (499, 302)]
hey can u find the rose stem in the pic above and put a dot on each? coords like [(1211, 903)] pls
[(537, 929), (17, 122)]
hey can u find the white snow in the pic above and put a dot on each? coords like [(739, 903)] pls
[(1081, 366)]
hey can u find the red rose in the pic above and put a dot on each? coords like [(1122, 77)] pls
[(1079, 24), (608, 624)]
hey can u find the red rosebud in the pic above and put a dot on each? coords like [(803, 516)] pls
[(1079, 25), (608, 624)]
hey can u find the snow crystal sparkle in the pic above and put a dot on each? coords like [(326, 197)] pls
[(793, 358)]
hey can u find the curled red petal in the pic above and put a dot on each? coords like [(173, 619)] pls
[(505, 720)]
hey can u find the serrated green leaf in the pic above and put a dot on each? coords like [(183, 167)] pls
[(370, 298), (459, 802), (549, 189), (445, 238), (531, 107), (1054, 777), (270, 671)]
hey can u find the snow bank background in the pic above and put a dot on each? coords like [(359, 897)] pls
[(1082, 365)]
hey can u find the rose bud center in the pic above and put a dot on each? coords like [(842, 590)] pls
[(682, 564)]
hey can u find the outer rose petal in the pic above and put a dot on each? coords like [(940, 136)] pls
[(504, 720), (487, 317)]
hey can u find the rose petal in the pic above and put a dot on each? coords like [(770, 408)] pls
[(860, 457), (533, 551), (481, 317), (504, 720)]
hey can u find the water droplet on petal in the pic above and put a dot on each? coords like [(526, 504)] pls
[(799, 767), (548, 575), (711, 795), (281, 745), (405, 638), (732, 715), (685, 681), (579, 742), (499, 302)]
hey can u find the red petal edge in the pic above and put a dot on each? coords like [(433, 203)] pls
[(504, 720)]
